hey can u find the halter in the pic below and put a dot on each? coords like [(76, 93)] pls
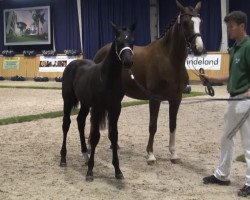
[(192, 37), (209, 89), (123, 49)]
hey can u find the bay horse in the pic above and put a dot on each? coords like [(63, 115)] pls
[(99, 87), (159, 71)]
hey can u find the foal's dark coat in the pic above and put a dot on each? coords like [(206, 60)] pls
[(99, 87), (160, 69)]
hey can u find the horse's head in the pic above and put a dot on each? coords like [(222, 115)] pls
[(124, 42), (190, 21)]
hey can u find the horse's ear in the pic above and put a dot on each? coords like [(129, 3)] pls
[(198, 6), (181, 7), (114, 26), (132, 27)]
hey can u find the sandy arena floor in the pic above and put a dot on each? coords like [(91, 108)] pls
[(30, 153)]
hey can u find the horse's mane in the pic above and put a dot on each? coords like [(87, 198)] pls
[(166, 29), (190, 9)]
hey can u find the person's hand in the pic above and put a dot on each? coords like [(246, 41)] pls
[(247, 94)]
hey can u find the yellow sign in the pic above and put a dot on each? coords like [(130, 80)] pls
[(11, 63)]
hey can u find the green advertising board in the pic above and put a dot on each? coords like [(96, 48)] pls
[(11, 63)]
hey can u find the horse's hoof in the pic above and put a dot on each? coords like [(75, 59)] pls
[(89, 176), (151, 160), (119, 176), (175, 160), (63, 164)]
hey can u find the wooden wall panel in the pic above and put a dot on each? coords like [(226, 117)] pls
[(30, 63), (13, 72), (28, 68)]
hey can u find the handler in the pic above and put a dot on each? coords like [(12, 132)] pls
[(238, 85)]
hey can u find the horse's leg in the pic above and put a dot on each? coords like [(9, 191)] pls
[(173, 110), (95, 137), (65, 127), (81, 119), (114, 114), (90, 135), (153, 110)]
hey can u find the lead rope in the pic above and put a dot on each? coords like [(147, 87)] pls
[(147, 92), (159, 98), (196, 100), (209, 88)]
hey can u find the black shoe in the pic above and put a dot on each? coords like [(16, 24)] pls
[(213, 180), (245, 191)]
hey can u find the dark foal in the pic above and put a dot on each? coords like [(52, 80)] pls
[(159, 68), (99, 87)]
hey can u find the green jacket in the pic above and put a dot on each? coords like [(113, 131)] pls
[(239, 70)]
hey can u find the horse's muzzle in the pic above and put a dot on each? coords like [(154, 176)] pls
[(127, 64), (127, 59), (199, 52)]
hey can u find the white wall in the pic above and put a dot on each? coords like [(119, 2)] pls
[(224, 12), (154, 22)]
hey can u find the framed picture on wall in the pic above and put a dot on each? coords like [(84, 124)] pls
[(27, 26)]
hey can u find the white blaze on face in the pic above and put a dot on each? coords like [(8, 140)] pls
[(198, 40)]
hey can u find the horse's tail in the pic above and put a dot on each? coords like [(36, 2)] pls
[(103, 121), (75, 101)]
